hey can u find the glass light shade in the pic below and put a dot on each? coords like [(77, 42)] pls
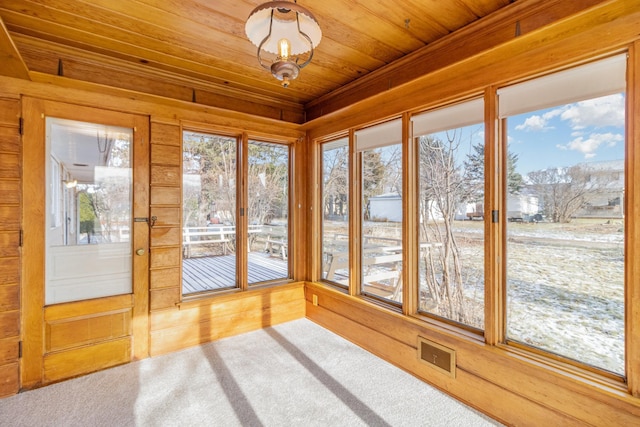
[(284, 27)]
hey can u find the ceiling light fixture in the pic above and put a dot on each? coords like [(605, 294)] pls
[(286, 30)]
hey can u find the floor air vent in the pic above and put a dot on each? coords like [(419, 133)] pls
[(441, 358)]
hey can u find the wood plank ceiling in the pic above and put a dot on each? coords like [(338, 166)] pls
[(197, 50)]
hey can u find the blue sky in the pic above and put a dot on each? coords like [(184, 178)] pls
[(585, 131)]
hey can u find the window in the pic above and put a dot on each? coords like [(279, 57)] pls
[(450, 147), (380, 156), (564, 209), (335, 211), (209, 212), (90, 203), (268, 212)]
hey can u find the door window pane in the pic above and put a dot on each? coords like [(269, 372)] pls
[(268, 212), (209, 212), (335, 211), (451, 212), (565, 230), (88, 244)]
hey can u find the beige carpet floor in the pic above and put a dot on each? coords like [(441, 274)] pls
[(294, 374)]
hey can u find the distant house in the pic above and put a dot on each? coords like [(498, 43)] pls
[(386, 207), (607, 202)]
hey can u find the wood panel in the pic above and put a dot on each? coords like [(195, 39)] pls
[(165, 175), (8, 351), (165, 236), (165, 196), (166, 154), (9, 138), (10, 223), (9, 113), (10, 297), (509, 378), (164, 278), (9, 244), (9, 324), (221, 316), (10, 271), (167, 216), (9, 379), (9, 166), (65, 364), (166, 297), (76, 332), (166, 205)]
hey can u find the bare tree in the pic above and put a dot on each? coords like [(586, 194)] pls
[(443, 188), (335, 185), (564, 191)]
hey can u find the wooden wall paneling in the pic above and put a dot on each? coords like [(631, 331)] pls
[(224, 315), (64, 364), (162, 175), (10, 224), (166, 205), (165, 297), (165, 196), (165, 257), (8, 351), (576, 400), (9, 138), (164, 278), (10, 296), (84, 93), (165, 236), (167, 216), (9, 379)]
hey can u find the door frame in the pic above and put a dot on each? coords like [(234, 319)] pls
[(34, 113)]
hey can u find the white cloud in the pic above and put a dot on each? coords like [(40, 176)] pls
[(597, 112), (588, 146), (533, 123)]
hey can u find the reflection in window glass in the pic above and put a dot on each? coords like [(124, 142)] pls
[(451, 216), (268, 212), (335, 211), (208, 212), (565, 230), (89, 199), (381, 243)]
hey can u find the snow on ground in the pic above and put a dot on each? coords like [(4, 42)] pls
[(565, 289), (565, 286)]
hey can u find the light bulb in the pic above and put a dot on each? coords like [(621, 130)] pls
[(284, 49)]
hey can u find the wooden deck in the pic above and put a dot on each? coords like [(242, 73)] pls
[(219, 272)]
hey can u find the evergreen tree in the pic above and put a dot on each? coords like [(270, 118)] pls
[(474, 171)]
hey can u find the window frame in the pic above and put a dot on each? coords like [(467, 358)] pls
[(495, 236), (242, 150)]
